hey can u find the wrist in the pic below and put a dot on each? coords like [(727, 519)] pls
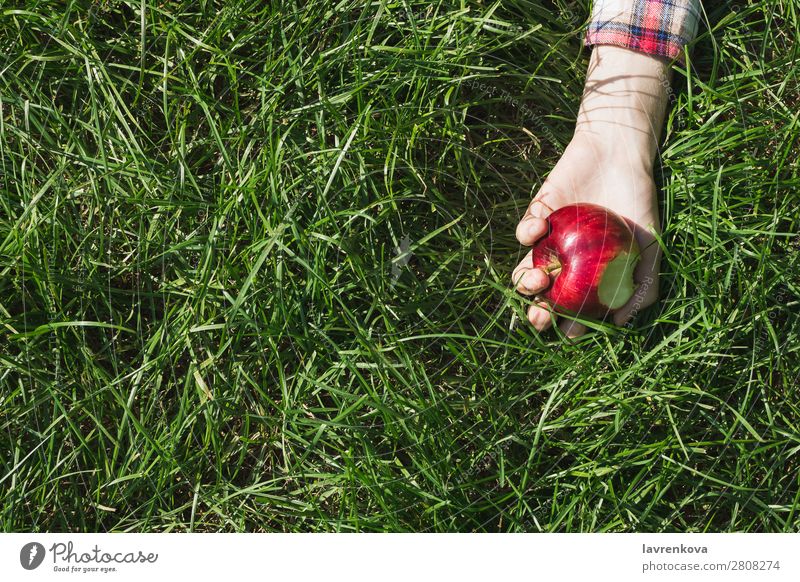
[(623, 105)]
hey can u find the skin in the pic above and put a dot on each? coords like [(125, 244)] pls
[(609, 161)]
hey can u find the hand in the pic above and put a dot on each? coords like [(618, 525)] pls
[(608, 162), (586, 174)]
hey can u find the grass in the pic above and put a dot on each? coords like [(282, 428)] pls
[(255, 275)]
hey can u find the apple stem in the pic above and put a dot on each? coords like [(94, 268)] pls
[(552, 267)]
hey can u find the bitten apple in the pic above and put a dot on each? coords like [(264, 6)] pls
[(590, 254)]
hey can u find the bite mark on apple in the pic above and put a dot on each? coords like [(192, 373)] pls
[(616, 285)]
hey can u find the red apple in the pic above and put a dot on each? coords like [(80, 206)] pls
[(590, 254)]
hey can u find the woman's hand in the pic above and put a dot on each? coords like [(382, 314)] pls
[(608, 162)]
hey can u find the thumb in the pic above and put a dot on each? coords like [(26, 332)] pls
[(533, 224)]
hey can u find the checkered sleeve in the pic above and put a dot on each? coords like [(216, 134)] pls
[(657, 27)]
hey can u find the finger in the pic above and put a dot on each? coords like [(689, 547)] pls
[(531, 281), (541, 316), (527, 280), (533, 225), (530, 229), (543, 203), (572, 329)]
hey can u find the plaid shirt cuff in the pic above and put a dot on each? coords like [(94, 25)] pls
[(656, 27)]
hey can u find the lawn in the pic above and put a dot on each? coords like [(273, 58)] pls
[(255, 275)]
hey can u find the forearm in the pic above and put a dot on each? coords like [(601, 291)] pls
[(624, 103), (626, 95)]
